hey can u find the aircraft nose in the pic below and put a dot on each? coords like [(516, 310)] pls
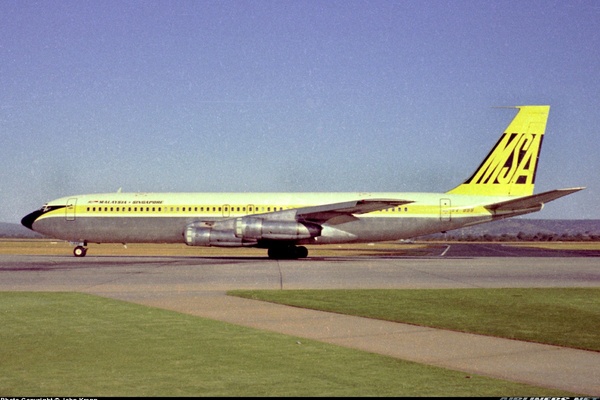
[(29, 219)]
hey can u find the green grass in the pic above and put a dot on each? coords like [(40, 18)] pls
[(564, 317), (71, 344)]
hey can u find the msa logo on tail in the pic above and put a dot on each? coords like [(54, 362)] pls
[(513, 161), (509, 169)]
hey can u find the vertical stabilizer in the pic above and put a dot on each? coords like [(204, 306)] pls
[(509, 169)]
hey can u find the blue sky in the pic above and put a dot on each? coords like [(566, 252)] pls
[(290, 95)]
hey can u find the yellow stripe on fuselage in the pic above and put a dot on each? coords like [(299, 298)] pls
[(229, 205)]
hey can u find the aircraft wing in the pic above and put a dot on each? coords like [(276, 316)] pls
[(533, 201), (334, 213), (326, 212)]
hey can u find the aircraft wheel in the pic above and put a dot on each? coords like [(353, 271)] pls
[(287, 253), (301, 252), (275, 253), (79, 251)]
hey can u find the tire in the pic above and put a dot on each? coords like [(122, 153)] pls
[(79, 251), (287, 253), (301, 252)]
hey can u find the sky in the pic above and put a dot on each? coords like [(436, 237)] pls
[(290, 96)]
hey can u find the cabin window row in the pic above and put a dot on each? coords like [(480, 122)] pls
[(123, 209), (185, 209), (204, 209)]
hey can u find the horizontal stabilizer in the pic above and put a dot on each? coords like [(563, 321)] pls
[(528, 202)]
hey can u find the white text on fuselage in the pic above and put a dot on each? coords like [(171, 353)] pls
[(125, 202)]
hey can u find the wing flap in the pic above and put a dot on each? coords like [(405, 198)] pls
[(533, 201)]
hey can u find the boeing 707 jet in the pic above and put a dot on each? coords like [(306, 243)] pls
[(284, 223)]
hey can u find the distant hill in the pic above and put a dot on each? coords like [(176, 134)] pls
[(526, 229), (17, 231), (530, 229)]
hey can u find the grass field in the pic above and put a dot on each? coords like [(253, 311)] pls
[(560, 245), (53, 247), (561, 316), (71, 344)]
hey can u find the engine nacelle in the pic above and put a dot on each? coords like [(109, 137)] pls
[(204, 236), (253, 228)]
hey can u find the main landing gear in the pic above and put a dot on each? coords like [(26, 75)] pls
[(287, 252)]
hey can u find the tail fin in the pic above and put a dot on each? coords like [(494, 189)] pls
[(509, 169)]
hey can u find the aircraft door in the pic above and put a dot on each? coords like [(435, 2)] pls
[(226, 210), (70, 209), (445, 214)]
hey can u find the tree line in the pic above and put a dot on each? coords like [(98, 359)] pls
[(519, 237)]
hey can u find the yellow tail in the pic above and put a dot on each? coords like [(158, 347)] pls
[(509, 169)]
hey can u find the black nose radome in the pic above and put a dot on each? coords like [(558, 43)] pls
[(29, 219)]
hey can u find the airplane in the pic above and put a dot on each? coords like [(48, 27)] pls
[(284, 223)]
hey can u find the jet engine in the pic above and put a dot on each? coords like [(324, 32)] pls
[(254, 228), (247, 231), (206, 236)]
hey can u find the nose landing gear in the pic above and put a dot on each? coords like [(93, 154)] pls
[(80, 250)]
